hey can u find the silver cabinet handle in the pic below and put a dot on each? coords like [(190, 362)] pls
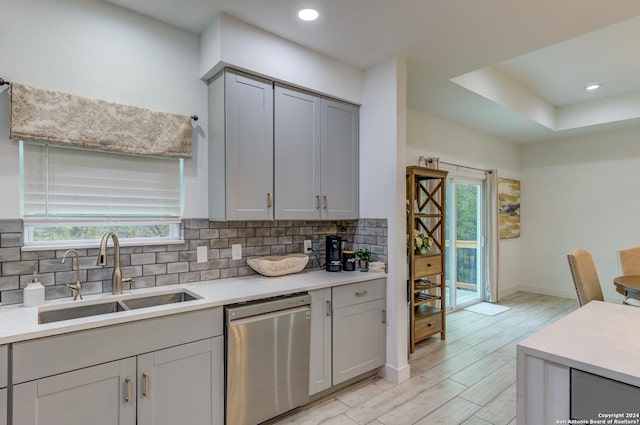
[(145, 380), (129, 388), (362, 293), (317, 202), (328, 308), (384, 316), (326, 202), (269, 200)]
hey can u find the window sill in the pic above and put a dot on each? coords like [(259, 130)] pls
[(96, 244)]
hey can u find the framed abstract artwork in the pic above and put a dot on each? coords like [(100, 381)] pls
[(509, 208)]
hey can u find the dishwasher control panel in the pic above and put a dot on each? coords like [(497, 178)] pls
[(266, 305)]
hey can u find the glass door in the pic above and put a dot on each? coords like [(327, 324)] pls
[(464, 272)]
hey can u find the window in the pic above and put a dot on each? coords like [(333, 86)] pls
[(70, 197)]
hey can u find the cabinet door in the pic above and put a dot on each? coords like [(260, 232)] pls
[(249, 147), (3, 366), (358, 339), (98, 395), (339, 160), (297, 154), (182, 385), (320, 354), (3, 406)]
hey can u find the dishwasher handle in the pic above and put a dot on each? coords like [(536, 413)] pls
[(261, 307), (251, 319)]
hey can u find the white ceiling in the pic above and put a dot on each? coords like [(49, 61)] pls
[(551, 48)]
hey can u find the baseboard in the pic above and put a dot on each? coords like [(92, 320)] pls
[(554, 292), (395, 375)]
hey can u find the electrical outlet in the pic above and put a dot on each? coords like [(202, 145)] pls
[(307, 246), (236, 252), (201, 254)]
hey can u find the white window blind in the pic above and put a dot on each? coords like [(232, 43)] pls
[(65, 185)]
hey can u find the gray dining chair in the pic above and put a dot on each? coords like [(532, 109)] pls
[(629, 265), (585, 276)]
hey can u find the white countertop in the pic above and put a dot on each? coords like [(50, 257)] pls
[(18, 323), (601, 338)]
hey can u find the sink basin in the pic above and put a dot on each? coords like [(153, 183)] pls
[(78, 311), (162, 299)]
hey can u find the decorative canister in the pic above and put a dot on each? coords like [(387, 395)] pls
[(348, 260)]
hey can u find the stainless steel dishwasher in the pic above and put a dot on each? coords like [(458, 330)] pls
[(267, 358)]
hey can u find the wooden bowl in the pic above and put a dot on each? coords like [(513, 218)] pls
[(278, 265)]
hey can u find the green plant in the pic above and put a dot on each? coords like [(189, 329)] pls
[(364, 254)]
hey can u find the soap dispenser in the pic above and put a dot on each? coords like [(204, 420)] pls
[(33, 294)]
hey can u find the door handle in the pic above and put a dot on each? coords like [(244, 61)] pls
[(326, 202), (384, 316), (328, 308), (317, 202), (145, 388), (128, 389), (269, 200)]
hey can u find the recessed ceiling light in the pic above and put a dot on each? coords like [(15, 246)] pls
[(308, 14), (592, 87)]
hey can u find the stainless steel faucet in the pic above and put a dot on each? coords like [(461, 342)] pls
[(76, 288), (116, 278)]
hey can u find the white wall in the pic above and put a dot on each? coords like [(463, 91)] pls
[(382, 192), (580, 192), (230, 42), (431, 136), (97, 50)]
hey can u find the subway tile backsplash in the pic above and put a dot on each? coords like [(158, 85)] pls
[(158, 265)]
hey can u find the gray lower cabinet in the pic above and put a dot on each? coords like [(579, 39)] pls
[(348, 332), (161, 386), (119, 375), (182, 385), (316, 156), (320, 350), (240, 147), (3, 406), (359, 329), (95, 395), (3, 385)]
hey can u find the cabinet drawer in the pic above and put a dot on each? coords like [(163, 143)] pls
[(428, 325), (428, 265), (357, 293), (61, 353)]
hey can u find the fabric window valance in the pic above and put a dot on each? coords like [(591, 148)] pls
[(69, 120)]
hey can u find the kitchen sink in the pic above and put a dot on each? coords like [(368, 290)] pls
[(78, 311), (162, 299)]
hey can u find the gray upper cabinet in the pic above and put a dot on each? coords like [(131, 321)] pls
[(279, 153), (316, 157), (240, 147), (339, 160), (297, 154)]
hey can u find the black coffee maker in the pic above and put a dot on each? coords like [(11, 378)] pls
[(334, 253)]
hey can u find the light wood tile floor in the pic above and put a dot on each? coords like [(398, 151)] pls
[(469, 379)]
